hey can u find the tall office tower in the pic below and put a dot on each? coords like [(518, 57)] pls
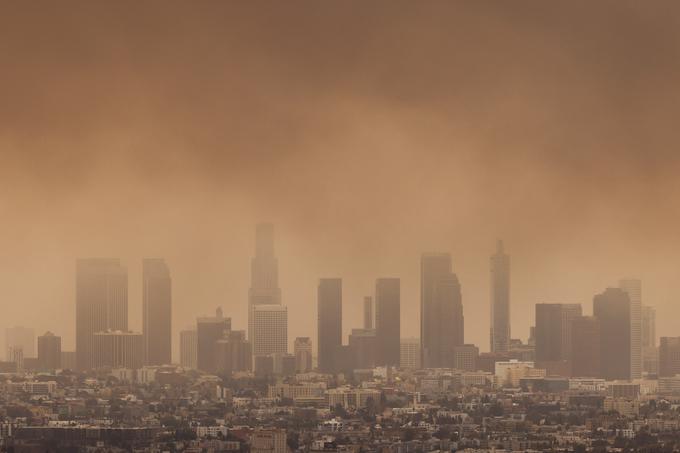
[(650, 353), (465, 357), (234, 353), (101, 303), (441, 311), (118, 349), (363, 344), (303, 354), (156, 312), (49, 351), (387, 320), (585, 347), (612, 309), (409, 353), (22, 338), (553, 331), (270, 329), (209, 329), (264, 274), (329, 325), (368, 312), (68, 360), (188, 349), (16, 355), (634, 289), (500, 300), (669, 356)]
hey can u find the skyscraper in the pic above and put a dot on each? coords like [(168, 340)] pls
[(20, 338), (669, 356), (156, 312), (500, 300), (329, 327), (633, 287), (368, 312), (264, 273), (409, 353), (585, 347), (612, 309), (553, 331), (363, 347), (209, 329), (650, 351), (270, 329), (441, 310), (387, 320), (101, 303), (303, 354), (234, 353), (49, 351), (118, 349), (188, 348)]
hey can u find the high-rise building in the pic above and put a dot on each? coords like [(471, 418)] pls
[(270, 329), (264, 274), (118, 349), (368, 312), (553, 331), (188, 349), (669, 356), (49, 351), (156, 312), (234, 353), (209, 329), (303, 354), (20, 338), (500, 300), (16, 356), (441, 308), (68, 360), (409, 353), (387, 320), (101, 304), (465, 357), (364, 349), (650, 352), (585, 347), (633, 287), (612, 309), (329, 330)]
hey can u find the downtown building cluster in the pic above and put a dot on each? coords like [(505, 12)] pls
[(581, 382)]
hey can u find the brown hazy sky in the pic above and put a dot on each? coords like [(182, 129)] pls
[(368, 132)]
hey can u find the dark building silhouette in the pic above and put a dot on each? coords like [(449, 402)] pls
[(101, 304), (209, 330), (553, 331), (612, 309), (441, 311), (585, 347), (264, 365), (49, 351), (500, 300), (368, 313), (156, 312), (329, 322), (387, 320), (363, 344), (233, 353), (669, 356), (465, 357)]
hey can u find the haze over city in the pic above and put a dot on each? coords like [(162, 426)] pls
[(131, 130)]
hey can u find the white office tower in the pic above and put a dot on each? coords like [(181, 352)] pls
[(270, 330), (409, 353), (633, 287), (188, 349)]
